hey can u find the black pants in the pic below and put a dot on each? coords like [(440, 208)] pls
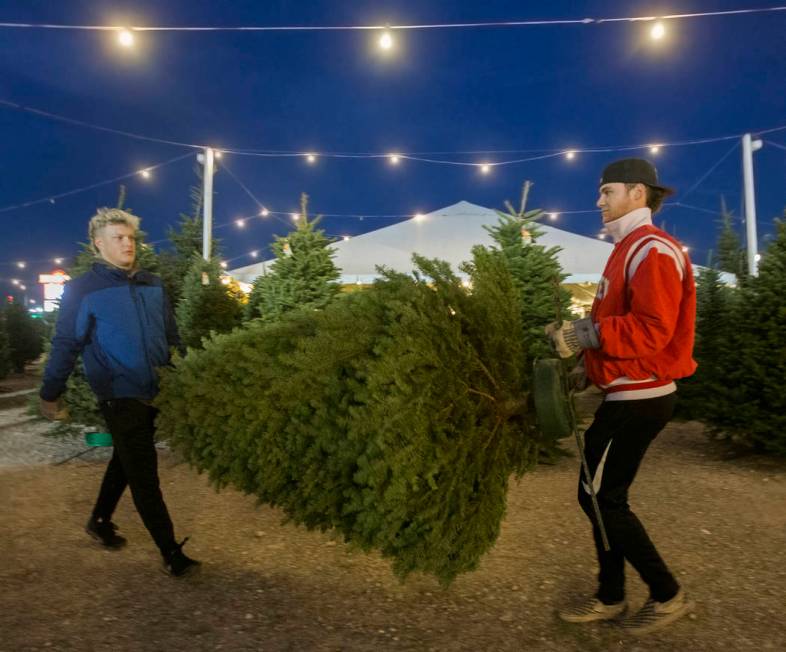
[(134, 464), (615, 444)]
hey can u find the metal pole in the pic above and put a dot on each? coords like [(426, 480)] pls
[(748, 147), (207, 202)]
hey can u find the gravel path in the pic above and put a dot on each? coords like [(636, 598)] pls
[(720, 522), (23, 442)]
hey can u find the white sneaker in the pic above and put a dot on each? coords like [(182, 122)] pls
[(655, 615), (593, 610)]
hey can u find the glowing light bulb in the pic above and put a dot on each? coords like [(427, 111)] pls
[(264, 212), (485, 168), (145, 174), (125, 38), (386, 40), (654, 149), (241, 224), (311, 158), (21, 264), (394, 159), (553, 216), (345, 238), (570, 154), (658, 31), (224, 264)]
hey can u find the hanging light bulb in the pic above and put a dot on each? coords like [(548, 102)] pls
[(21, 264), (145, 174), (241, 224), (345, 238), (254, 253), (485, 168), (394, 159), (224, 264), (264, 212), (553, 216), (58, 261), (125, 38), (658, 31), (294, 217), (654, 149), (570, 154), (311, 158), (386, 41)]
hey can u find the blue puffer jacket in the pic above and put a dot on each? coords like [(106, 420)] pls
[(123, 326)]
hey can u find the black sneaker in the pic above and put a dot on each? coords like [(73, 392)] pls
[(177, 564), (104, 532)]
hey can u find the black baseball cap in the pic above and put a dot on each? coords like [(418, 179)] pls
[(633, 170)]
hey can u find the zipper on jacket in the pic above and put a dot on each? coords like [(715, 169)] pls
[(136, 299)]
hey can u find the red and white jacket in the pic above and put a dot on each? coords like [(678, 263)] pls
[(645, 313)]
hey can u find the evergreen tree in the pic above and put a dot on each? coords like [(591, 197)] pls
[(395, 415), (303, 275), (210, 303), (759, 415), (731, 255), (536, 272), (709, 392), (25, 338), (5, 348)]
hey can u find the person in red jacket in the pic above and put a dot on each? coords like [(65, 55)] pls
[(637, 340)]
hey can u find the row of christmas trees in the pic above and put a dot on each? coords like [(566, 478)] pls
[(738, 388)]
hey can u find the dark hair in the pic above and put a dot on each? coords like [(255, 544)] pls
[(655, 196)]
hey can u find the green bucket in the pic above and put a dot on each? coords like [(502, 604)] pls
[(98, 439), (553, 400)]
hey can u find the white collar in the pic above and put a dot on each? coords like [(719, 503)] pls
[(624, 225)]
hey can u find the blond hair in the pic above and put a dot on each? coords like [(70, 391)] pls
[(105, 217)]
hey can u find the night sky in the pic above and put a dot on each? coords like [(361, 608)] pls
[(529, 91)]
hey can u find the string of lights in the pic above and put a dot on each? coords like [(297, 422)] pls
[(242, 222), (485, 167), (145, 173), (776, 145), (395, 158), (710, 171), (412, 26)]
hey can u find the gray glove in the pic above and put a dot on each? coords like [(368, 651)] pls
[(573, 336)]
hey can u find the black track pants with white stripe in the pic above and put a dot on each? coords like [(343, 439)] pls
[(615, 444)]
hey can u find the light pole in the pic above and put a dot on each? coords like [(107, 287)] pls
[(207, 159), (748, 147)]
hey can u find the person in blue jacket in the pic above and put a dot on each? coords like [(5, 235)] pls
[(119, 318)]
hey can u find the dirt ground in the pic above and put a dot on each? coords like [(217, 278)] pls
[(719, 521)]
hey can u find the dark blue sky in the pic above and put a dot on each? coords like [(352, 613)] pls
[(527, 88)]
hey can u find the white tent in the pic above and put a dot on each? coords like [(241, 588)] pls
[(448, 234)]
